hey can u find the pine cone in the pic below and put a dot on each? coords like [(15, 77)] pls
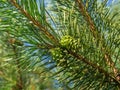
[(69, 43)]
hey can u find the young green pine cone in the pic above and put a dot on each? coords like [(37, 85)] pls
[(69, 42), (56, 54)]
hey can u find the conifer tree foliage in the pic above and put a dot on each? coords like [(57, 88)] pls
[(14, 73), (77, 40)]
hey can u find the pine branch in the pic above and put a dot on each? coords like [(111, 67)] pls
[(19, 82), (47, 46), (100, 69), (96, 35), (35, 22)]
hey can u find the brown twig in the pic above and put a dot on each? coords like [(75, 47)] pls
[(35, 22), (100, 69), (19, 82), (96, 35)]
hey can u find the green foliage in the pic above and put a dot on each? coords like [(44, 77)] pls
[(76, 42)]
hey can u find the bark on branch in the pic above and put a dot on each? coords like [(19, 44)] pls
[(96, 35), (100, 69), (35, 22)]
